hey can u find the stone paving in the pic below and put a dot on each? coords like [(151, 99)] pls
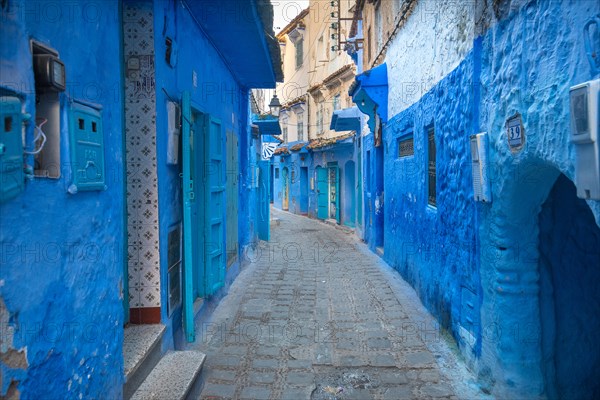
[(315, 315)]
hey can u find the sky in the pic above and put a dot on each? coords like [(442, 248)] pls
[(285, 11)]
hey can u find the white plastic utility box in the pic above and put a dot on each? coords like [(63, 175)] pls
[(584, 135)]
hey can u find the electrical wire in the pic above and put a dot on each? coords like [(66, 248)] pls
[(40, 134)]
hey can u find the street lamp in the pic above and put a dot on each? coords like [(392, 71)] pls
[(275, 106)]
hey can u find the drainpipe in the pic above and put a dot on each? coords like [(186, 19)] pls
[(308, 116)]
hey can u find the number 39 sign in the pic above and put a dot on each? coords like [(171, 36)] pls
[(515, 133)]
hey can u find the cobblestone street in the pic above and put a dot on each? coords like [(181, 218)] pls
[(323, 318)]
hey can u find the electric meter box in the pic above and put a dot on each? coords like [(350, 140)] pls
[(87, 147), (49, 72), (584, 135), (482, 190), (11, 148)]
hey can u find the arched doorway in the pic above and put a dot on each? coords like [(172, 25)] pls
[(509, 269), (535, 251), (569, 297), (349, 201)]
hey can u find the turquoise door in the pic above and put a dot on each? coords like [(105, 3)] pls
[(334, 192), (322, 193), (214, 208), (189, 205), (264, 201)]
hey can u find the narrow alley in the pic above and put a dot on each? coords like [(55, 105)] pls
[(316, 315)]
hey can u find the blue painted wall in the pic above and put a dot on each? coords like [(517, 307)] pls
[(62, 264), (215, 92), (432, 247), (543, 56), (373, 193), (487, 255)]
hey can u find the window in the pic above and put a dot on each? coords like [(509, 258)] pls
[(300, 130), (406, 147), (379, 25), (299, 52), (336, 102), (320, 119), (431, 197), (398, 5), (276, 173), (321, 49), (284, 130), (369, 47)]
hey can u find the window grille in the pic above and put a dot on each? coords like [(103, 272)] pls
[(300, 130), (432, 195), (406, 147)]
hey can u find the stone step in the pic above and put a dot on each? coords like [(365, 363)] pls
[(175, 377), (141, 353)]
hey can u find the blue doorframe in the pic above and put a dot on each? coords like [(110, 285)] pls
[(271, 182), (264, 201), (379, 192), (349, 194), (359, 191), (189, 197)]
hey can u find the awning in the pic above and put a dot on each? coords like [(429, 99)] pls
[(242, 32), (370, 93), (267, 124), (347, 119)]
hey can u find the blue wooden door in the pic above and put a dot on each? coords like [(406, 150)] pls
[(189, 203), (285, 201), (214, 207), (322, 193), (303, 190), (264, 202)]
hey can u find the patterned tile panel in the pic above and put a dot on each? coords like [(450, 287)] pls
[(142, 176)]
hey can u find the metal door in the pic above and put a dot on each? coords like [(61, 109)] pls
[(214, 207), (322, 193)]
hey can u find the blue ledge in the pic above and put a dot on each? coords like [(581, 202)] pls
[(235, 27), (347, 119), (267, 125), (370, 93)]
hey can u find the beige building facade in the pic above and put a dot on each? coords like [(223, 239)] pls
[(317, 73)]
